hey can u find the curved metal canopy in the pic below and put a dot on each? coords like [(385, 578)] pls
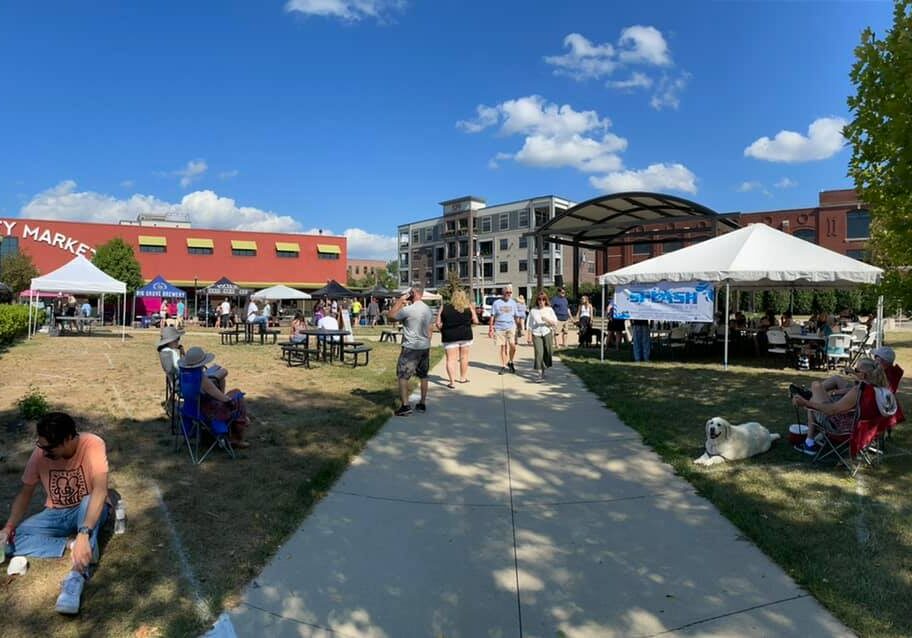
[(602, 220)]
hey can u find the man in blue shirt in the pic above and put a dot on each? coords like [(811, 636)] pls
[(561, 308), (85, 309), (503, 328)]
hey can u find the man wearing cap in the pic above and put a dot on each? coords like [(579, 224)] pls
[(886, 358), (502, 327), (561, 308), (73, 470)]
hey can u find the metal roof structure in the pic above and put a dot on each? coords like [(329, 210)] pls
[(621, 218)]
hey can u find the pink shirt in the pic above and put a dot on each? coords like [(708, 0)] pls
[(67, 481)]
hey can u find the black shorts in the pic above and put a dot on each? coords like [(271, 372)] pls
[(413, 363)]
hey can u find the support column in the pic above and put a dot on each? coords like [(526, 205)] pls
[(575, 272), (539, 261)]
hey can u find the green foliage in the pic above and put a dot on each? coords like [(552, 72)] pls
[(880, 134), (14, 322), (452, 285), (17, 271), (387, 278), (33, 405), (116, 258)]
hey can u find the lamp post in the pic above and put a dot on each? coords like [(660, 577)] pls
[(195, 298)]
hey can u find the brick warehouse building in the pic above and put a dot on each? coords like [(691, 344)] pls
[(187, 257)]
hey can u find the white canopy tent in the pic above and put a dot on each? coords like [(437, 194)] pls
[(279, 293), (756, 256), (83, 277)]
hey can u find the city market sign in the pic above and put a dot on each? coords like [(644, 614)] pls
[(46, 236)]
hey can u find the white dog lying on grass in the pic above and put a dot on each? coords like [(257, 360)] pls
[(727, 442)]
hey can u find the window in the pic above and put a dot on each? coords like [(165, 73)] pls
[(504, 221), (403, 278), (503, 244), (9, 245), (858, 224), (463, 269), (487, 270), (463, 248), (541, 216), (403, 260), (523, 265), (357, 270), (319, 255), (807, 234), (243, 252), (503, 267), (485, 225), (441, 273), (524, 218), (403, 238), (523, 242), (451, 250), (451, 226), (673, 245), (199, 250), (416, 237), (486, 248), (293, 254), (642, 248), (464, 223), (440, 253), (860, 255), (287, 250), (329, 251), (546, 267), (152, 249), (150, 244)]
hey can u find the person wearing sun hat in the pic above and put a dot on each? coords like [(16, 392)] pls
[(169, 344), (886, 358), (225, 406)]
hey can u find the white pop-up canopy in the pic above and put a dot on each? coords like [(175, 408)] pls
[(279, 293), (83, 277), (756, 256)]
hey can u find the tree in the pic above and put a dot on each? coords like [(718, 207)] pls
[(16, 271), (116, 258), (881, 139)]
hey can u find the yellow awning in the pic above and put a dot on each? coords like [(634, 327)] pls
[(329, 249), (149, 240), (287, 247), (238, 244), (199, 243)]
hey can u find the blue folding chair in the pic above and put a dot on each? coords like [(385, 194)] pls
[(194, 423)]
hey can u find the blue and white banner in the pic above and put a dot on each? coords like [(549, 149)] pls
[(666, 301)]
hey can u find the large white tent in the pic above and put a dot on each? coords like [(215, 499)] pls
[(83, 277), (756, 256), (279, 293)]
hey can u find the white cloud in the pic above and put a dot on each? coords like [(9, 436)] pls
[(824, 139), (746, 187), (636, 81), (205, 209), (127, 183), (347, 10), (229, 174), (191, 172), (584, 153), (646, 45), (487, 116), (668, 91), (786, 182), (584, 60), (656, 177)]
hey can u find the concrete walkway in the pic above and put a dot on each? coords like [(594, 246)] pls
[(514, 508)]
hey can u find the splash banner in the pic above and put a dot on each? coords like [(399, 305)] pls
[(665, 301)]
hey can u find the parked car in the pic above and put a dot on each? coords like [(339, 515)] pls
[(484, 311)]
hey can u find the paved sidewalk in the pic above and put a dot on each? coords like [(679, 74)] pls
[(514, 508)]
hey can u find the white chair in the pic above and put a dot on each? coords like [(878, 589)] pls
[(838, 348), (793, 330)]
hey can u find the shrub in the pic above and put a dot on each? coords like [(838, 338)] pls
[(14, 321), (33, 405)]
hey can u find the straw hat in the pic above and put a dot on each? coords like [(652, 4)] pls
[(196, 357), (169, 334)]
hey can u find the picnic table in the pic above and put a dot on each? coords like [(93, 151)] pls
[(329, 342), (391, 335), (74, 325)]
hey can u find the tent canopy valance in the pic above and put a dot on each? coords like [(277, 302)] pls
[(756, 256), (224, 287), (334, 290), (159, 287), (279, 293)]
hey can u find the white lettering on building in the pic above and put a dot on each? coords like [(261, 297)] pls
[(36, 233)]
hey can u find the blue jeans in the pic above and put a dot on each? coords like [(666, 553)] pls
[(45, 535), (641, 343)]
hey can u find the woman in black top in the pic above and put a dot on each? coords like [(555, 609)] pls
[(455, 324)]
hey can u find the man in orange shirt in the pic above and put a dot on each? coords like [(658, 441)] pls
[(73, 469)]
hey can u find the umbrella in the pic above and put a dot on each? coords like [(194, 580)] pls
[(277, 293)]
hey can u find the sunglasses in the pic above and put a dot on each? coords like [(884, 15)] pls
[(48, 447)]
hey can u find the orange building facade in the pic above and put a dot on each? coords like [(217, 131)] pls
[(188, 257)]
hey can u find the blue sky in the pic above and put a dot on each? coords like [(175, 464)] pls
[(357, 115)]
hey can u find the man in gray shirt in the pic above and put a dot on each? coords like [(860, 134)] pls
[(414, 360)]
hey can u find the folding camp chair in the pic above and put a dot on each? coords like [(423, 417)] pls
[(838, 349), (172, 389), (776, 343), (848, 436), (194, 423), (862, 345)]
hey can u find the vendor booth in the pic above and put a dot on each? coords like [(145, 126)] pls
[(147, 300)]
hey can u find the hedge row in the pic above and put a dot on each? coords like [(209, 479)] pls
[(14, 321)]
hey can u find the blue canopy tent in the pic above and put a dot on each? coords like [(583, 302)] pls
[(157, 289)]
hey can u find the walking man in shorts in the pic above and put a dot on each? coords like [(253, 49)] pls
[(414, 360), (562, 311), (503, 328)]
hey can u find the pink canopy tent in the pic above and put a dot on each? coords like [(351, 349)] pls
[(39, 295)]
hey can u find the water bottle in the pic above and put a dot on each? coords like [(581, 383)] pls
[(120, 518)]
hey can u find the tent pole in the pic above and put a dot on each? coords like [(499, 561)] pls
[(31, 293), (878, 337), (604, 326), (727, 294), (123, 327)]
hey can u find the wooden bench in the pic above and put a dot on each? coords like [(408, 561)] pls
[(355, 349), (296, 354), (390, 335), (272, 331)]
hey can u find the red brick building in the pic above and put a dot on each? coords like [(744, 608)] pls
[(187, 257)]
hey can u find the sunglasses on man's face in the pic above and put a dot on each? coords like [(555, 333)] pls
[(46, 447)]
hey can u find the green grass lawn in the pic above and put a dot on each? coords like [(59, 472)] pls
[(848, 541), (230, 516)]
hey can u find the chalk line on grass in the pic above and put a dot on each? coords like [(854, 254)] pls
[(123, 404), (108, 357)]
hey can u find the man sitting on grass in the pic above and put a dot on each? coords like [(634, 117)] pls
[(73, 469)]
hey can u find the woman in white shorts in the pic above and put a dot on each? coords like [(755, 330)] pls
[(455, 321)]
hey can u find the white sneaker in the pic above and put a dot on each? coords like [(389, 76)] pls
[(70, 594)]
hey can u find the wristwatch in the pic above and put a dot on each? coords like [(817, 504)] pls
[(85, 530)]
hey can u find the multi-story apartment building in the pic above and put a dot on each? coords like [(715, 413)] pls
[(361, 268), (487, 247)]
